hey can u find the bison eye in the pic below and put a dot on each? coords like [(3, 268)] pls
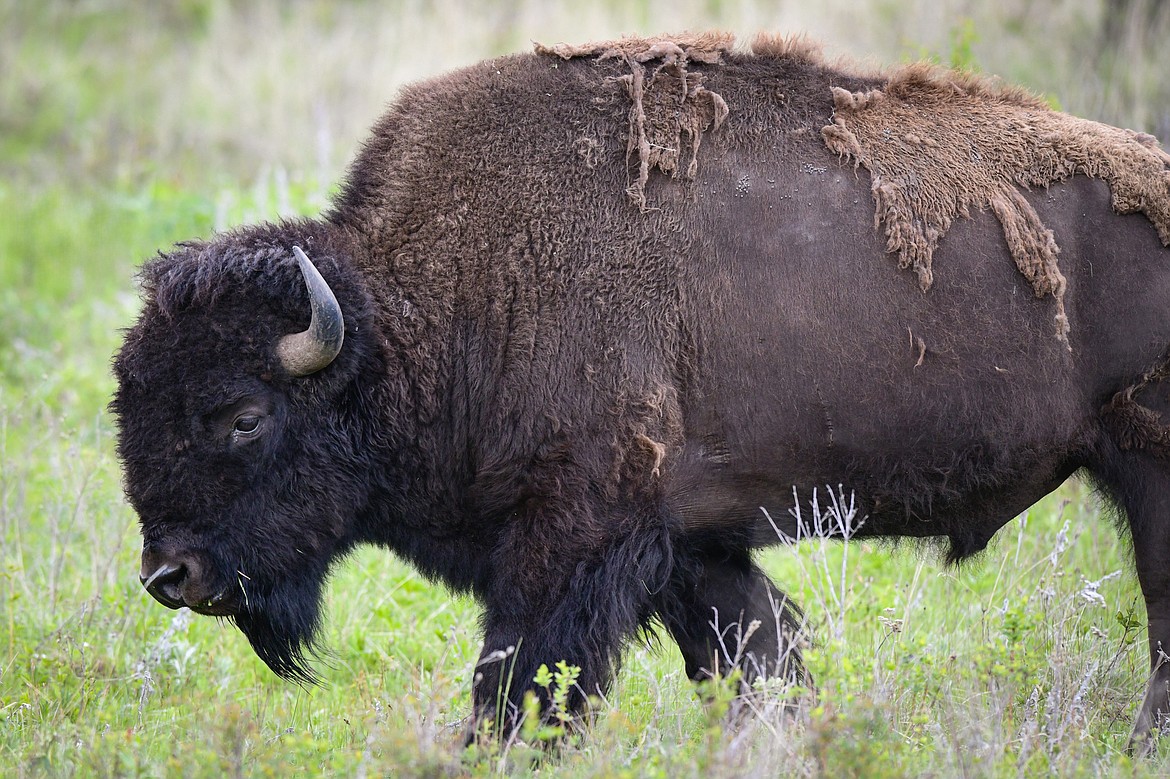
[(246, 425), (242, 421)]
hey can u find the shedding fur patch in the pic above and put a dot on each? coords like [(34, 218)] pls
[(1134, 425), (670, 108), (697, 45), (936, 143)]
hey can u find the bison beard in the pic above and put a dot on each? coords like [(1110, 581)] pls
[(282, 629), (575, 317), (282, 625)]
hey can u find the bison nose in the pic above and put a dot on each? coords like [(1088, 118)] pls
[(163, 583)]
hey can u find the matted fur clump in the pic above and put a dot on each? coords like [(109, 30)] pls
[(937, 143), (670, 108)]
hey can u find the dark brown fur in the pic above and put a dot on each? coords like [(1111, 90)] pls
[(574, 406)]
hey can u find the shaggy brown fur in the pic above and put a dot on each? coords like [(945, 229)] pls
[(670, 106), (798, 48), (937, 143)]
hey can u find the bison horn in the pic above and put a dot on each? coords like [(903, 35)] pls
[(310, 351)]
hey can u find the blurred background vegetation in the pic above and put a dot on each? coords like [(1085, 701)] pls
[(106, 106), (126, 125)]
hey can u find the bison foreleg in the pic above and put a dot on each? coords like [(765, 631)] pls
[(727, 616), (572, 602)]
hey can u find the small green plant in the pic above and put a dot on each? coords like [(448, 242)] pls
[(558, 719)]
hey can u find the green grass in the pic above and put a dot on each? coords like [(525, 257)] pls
[(1007, 665), (126, 126)]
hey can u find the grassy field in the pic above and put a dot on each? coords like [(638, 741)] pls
[(126, 126)]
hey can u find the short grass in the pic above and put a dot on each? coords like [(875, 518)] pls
[(126, 126)]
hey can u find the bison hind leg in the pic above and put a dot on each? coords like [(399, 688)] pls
[(728, 617), (1138, 482)]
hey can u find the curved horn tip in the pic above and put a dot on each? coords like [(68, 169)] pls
[(303, 260), (315, 348)]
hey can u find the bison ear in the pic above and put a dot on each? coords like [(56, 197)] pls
[(311, 350)]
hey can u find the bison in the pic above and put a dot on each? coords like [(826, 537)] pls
[(577, 316)]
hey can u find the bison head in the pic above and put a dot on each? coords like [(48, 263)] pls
[(238, 451)]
